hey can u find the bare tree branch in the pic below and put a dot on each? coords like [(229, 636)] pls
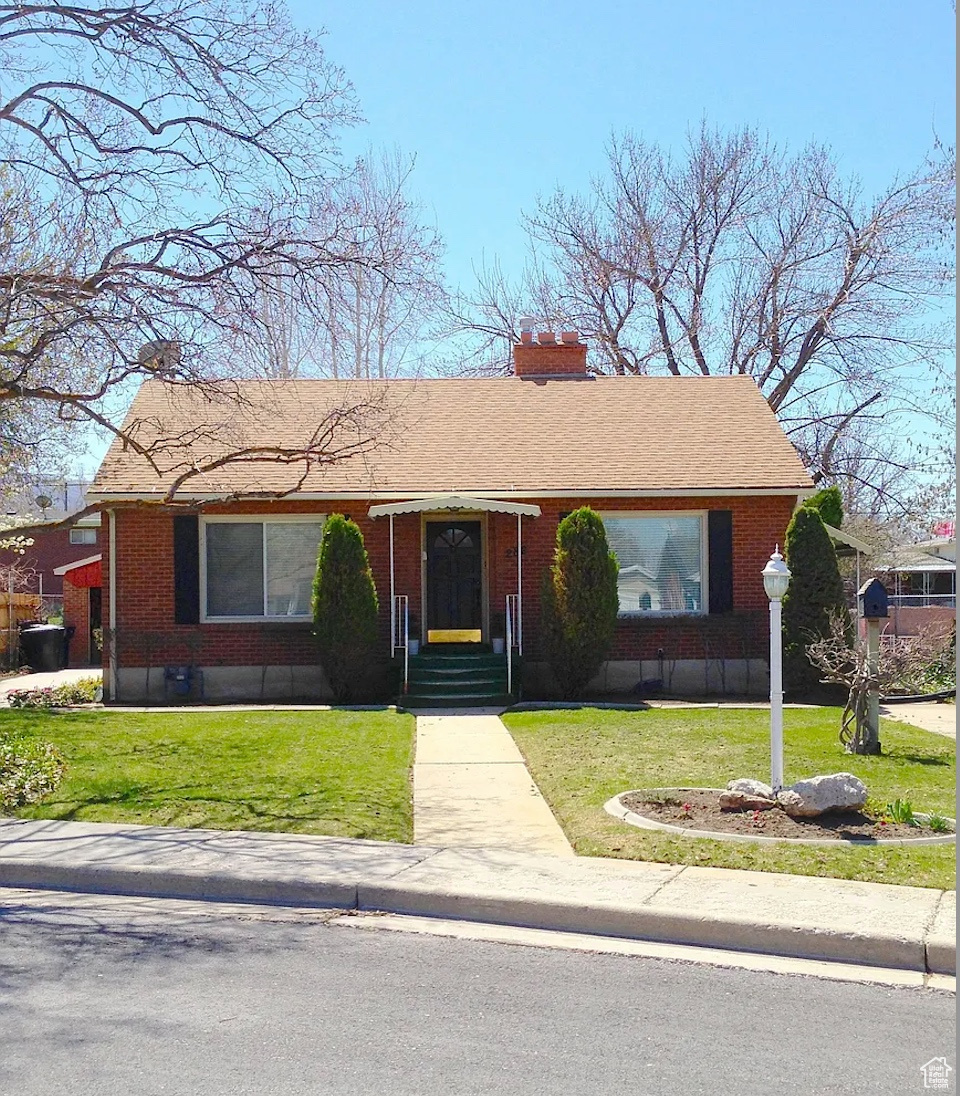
[(738, 257), (166, 165)]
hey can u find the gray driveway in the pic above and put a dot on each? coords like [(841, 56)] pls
[(44, 681), (930, 716)]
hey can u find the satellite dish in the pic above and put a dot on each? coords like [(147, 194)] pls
[(160, 356), (44, 502)]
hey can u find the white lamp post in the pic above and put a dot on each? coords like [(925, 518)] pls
[(776, 578)]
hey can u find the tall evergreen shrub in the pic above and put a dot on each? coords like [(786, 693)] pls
[(579, 601), (828, 502), (345, 609), (815, 592)]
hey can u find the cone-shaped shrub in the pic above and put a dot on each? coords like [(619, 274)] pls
[(828, 502), (345, 609), (579, 601), (815, 591)]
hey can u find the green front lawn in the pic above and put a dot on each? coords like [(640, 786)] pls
[(580, 759), (341, 773)]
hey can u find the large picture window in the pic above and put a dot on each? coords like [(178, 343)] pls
[(258, 568), (661, 558)]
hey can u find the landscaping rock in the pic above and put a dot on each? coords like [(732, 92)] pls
[(751, 787), (744, 801), (819, 794)]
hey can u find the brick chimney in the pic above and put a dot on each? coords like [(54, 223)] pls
[(544, 356)]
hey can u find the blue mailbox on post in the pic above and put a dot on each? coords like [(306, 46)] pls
[(873, 600)]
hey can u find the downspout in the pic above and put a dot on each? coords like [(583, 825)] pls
[(520, 584), (112, 581), (393, 596)]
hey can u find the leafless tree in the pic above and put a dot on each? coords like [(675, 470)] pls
[(901, 666), (373, 320), (164, 162), (742, 258)]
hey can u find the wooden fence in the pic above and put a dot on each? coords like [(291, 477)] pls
[(13, 609)]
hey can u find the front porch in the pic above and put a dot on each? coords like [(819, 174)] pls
[(454, 675), (458, 634)]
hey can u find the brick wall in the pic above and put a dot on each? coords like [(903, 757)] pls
[(76, 612), (147, 634)]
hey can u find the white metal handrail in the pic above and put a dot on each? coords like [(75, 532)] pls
[(513, 634), (923, 601), (400, 633)]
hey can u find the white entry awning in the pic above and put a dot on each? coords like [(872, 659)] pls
[(848, 539), (454, 502)]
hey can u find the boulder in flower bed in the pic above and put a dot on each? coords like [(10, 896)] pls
[(744, 801), (819, 794), (751, 787)]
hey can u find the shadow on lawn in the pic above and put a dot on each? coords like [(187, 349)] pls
[(923, 759), (211, 811)]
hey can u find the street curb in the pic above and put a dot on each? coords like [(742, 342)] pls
[(510, 889), (154, 882), (632, 923), (637, 923)]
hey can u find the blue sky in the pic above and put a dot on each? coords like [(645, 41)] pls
[(502, 101)]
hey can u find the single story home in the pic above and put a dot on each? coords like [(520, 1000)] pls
[(921, 579), (458, 493)]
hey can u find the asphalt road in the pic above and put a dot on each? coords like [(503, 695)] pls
[(123, 996)]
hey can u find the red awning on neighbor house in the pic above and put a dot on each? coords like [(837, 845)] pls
[(82, 574)]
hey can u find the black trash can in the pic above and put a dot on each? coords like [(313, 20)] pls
[(43, 647)]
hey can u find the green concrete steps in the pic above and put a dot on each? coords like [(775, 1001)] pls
[(457, 677)]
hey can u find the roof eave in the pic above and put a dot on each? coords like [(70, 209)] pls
[(795, 490)]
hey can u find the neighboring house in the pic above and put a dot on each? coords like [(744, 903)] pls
[(57, 545), (922, 582), (81, 608), (54, 545), (459, 506)]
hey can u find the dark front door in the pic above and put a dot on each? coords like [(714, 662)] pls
[(96, 596), (454, 582)]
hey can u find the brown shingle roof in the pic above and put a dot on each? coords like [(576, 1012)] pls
[(477, 436)]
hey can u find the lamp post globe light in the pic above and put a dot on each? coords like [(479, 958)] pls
[(776, 579)]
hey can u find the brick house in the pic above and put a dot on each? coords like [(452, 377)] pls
[(52, 565), (458, 503), (54, 544)]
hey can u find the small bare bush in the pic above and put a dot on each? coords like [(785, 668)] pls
[(903, 666)]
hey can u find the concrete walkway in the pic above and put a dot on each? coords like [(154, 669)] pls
[(929, 715), (46, 680), (902, 928), (471, 788)]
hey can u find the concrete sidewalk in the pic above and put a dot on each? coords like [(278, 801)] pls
[(929, 715), (472, 789), (904, 928)]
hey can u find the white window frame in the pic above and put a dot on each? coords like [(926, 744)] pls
[(250, 519), (83, 529), (703, 515)]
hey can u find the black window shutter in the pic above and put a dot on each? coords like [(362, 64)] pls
[(186, 569), (720, 545)]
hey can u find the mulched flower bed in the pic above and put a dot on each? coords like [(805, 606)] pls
[(699, 810)]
